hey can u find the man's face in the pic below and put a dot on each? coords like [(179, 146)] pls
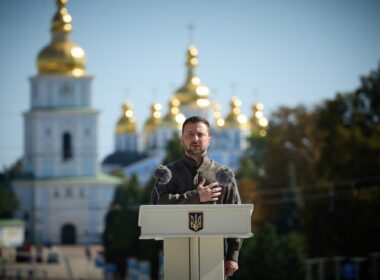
[(195, 139)]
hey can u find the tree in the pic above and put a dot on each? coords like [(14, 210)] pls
[(321, 179), (350, 125), (121, 233), (250, 176), (8, 202), (272, 256), (174, 149), (15, 170), (273, 167), (292, 139), (349, 166)]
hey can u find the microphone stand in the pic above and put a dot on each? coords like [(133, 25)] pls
[(156, 190)]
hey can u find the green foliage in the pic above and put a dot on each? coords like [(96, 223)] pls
[(322, 177), (350, 162), (350, 125), (8, 202), (121, 233), (292, 140), (174, 149), (290, 152), (272, 257), (14, 170), (247, 168), (351, 148), (253, 162), (147, 191), (346, 223), (128, 195), (251, 175)]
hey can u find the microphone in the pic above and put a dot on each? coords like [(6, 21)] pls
[(161, 175), (224, 175)]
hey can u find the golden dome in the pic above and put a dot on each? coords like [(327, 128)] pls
[(174, 118), (235, 119), (192, 93), (155, 119), (218, 119), (127, 122), (61, 56), (258, 123)]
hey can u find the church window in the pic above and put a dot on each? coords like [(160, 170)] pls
[(66, 89), (34, 96), (69, 192), (56, 194), (81, 193), (67, 146)]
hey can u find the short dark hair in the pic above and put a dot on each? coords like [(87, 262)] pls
[(196, 119)]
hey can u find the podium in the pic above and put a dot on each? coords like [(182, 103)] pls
[(194, 236)]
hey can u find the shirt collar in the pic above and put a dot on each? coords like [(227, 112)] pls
[(193, 164)]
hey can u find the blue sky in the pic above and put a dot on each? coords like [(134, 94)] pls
[(283, 52)]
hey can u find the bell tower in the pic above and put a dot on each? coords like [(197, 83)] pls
[(61, 127), (63, 198)]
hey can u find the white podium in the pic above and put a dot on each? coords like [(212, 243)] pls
[(194, 236)]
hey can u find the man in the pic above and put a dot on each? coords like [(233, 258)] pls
[(193, 181)]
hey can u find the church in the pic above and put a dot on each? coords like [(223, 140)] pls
[(63, 196)]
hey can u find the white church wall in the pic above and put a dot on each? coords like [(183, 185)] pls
[(144, 168)]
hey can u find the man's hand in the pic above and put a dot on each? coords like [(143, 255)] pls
[(230, 267), (209, 192)]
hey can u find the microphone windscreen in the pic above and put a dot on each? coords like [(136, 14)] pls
[(162, 174), (224, 175)]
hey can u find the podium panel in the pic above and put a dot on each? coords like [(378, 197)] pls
[(211, 258), (194, 236), (172, 258), (226, 220)]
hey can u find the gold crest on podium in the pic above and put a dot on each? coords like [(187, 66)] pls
[(195, 221)]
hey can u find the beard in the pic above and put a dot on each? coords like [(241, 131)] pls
[(195, 151)]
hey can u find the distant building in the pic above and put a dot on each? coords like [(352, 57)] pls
[(139, 152), (63, 197)]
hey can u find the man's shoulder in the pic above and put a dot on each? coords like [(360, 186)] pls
[(216, 165), (175, 164)]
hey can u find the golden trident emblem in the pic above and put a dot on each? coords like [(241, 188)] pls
[(196, 221)]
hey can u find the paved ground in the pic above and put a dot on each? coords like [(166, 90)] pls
[(73, 264)]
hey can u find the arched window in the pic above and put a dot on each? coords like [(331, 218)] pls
[(67, 146)]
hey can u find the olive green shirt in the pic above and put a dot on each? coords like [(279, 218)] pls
[(181, 189)]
